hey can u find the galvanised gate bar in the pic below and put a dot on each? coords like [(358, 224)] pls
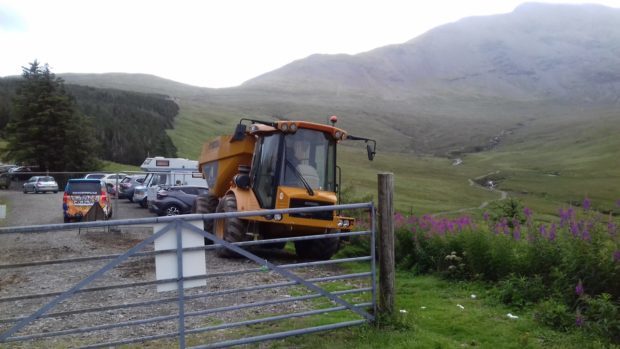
[(80, 300)]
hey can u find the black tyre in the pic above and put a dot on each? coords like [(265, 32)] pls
[(67, 220), (317, 249), (130, 198), (206, 204), (229, 229), (25, 191), (172, 210), (55, 191), (143, 203)]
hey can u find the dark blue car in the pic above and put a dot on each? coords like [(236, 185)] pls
[(176, 200)]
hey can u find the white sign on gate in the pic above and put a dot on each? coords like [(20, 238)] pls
[(194, 262)]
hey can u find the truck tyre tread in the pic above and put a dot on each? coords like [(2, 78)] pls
[(234, 228)]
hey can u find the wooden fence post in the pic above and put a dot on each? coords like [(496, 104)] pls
[(386, 244)]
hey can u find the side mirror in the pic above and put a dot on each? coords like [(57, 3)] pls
[(239, 133), (370, 151)]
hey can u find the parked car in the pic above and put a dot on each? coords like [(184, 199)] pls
[(94, 176), (128, 185), (6, 168), (176, 200), (81, 194), (5, 180), (113, 178), (20, 173), (41, 184)]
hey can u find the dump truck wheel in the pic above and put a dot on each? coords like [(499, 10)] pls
[(206, 204), (317, 249), (229, 229)]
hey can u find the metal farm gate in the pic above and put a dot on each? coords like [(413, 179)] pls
[(165, 290)]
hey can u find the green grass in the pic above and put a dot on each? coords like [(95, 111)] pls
[(432, 319), (580, 149)]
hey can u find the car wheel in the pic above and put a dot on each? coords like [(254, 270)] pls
[(67, 220), (143, 203), (172, 210), (25, 191), (130, 198), (55, 191)]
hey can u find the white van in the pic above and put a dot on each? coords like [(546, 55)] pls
[(166, 172)]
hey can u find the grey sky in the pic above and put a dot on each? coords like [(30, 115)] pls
[(214, 43)]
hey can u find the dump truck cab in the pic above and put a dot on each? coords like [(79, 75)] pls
[(276, 165)]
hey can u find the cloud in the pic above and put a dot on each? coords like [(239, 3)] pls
[(11, 21)]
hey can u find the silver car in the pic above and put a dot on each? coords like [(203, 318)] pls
[(41, 184)]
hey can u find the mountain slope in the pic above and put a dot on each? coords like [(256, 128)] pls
[(539, 51)]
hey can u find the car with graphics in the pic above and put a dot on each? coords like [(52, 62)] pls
[(81, 195), (172, 201), (40, 184)]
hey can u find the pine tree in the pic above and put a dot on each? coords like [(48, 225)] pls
[(46, 130)]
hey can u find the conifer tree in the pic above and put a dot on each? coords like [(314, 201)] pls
[(46, 129)]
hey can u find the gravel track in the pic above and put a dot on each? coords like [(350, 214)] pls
[(35, 209)]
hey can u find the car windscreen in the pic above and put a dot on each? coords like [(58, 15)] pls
[(83, 188)]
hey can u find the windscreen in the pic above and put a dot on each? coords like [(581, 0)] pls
[(83, 188), (310, 155)]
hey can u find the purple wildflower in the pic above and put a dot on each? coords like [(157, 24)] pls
[(579, 288), (574, 229), (618, 203), (585, 235), (616, 256), (579, 320), (517, 233), (586, 204), (565, 216), (542, 230), (611, 229), (485, 215), (552, 232), (527, 212)]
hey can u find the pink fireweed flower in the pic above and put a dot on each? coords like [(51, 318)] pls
[(586, 204), (485, 216), (399, 220), (542, 230), (527, 212), (579, 288), (579, 320), (552, 232), (616, 256), (611, 229), (574, 229)]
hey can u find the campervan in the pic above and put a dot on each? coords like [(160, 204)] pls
[(162, 172)]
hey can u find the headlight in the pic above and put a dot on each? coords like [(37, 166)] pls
[(340, 223), (293, 127), (277, 217), (345, 223), (284, 127)]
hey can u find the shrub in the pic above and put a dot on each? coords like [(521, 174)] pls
[(531, 262), (555, 314)]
